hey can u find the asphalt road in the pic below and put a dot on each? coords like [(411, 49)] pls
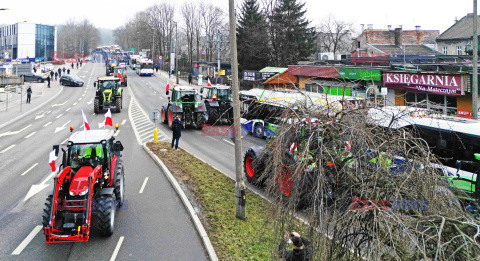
[(153, 225), (216, 150)]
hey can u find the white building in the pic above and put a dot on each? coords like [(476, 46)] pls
[(28, 40)]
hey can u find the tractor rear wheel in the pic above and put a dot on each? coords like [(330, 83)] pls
[(104, 215), (253, 166), (119, 189), (170, 117), (46, 211), (96, 105), (164, 117), (118, 104)]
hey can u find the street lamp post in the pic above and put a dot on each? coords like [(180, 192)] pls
[(176, 45)]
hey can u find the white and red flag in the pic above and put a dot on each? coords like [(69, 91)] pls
[(85, 122), (51, 160), (208, 82), (168, 87), (119, 74), (108, 118)]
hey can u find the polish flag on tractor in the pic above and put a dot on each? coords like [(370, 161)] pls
[(120, 76), (85, 122), (108, 118), (51, 160), (208, 82), (168, 87)]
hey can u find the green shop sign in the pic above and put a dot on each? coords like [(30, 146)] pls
[(360, 74)]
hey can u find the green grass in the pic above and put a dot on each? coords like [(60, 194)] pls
[(232, 238)]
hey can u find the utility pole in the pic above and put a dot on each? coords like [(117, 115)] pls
[(176, 39), (475, 63), (240, 197)]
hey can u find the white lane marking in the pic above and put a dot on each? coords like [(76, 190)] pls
[(143, 186), (58, 116), (80, 99), (68, 109), (62, 127), (46, 124), (7, 149), (123, 122), (26, 171), (30, 135), (60, 104), (26, 241), (75, 103), (14, 132), (143, 124), (229, 142), (65, 140), (116, 133), (117, 248)]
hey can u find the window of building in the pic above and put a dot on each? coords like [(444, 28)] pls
[(459, 50), (445, 51)]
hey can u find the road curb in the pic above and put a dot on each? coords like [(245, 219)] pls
[(196, 220), (32, 110)]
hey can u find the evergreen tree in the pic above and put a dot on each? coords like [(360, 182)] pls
[(292, 38), (252, 37)]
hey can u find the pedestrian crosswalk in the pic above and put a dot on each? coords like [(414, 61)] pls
[(141, 124)]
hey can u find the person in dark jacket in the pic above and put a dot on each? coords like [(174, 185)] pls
[(56, 75), (59, 72), (302, 248), (190, 79), (63, 70), (177, 125), (68, 71), (51, 75), (29, 94), (48, 80)]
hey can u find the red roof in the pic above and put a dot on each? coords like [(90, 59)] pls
[(313, 71)]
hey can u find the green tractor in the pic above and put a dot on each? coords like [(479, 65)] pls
[(184, 102), (108, 94)]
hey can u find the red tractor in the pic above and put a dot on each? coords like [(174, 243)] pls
[(88, 188)]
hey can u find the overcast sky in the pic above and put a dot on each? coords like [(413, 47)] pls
[(430, 14)]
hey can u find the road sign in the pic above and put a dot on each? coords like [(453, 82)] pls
[(155, 115), (160, 59)]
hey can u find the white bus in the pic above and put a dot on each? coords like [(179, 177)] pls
[(144, 67)]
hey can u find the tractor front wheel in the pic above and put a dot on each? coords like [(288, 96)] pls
[(104, 215), (46, 211), (96, 105)]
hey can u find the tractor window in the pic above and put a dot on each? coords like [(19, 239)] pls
[(188, 96), (223, 94), (211, 92), (108, 85), (85, 155), (176, 96)]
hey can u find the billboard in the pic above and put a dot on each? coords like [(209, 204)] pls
[(360, 74), (442, 84)]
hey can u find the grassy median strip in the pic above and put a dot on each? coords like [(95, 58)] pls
[(214, 195)]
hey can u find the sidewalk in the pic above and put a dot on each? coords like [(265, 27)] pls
[(41, 95)]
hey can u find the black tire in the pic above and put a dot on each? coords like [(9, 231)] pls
[(96, 105), (103, 215), (46, 211), (258, 130), (119, 189), (118, 104), (164, 116), (253, 166)]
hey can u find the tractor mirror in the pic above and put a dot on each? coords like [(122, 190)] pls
[(168, 92), (168, 98), (201, 90), (95, 84), (117, 146), (477, 156), (56, 148)]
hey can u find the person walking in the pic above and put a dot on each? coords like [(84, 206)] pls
[(29, 94), (34, 69), (51, 75), (77, 65), (48, 81), (68, 71), (177, 131), (64, 70), (59, 72), (81, 62), (190, 79), (56, 75), (72, 66), (302, 249)]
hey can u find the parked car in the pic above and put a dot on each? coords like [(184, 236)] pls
[(46, 67), (71, 80), (32, 77)]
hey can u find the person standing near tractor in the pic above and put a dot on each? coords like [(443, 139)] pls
[(48, 81), (59, 72), (190, 79), (177, 125), (302, 248)]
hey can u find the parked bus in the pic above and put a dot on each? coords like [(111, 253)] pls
[(144, 67)]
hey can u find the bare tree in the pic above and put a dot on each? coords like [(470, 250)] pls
[(212, 18), (334, 35), (77, 36), (190, 19)]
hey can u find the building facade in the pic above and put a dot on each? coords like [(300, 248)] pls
[(28, 41), (458, 38)]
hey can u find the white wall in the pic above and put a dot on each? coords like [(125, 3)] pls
[(26, 40)]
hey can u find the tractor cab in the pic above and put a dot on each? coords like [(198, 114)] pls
[(219, 103), (218, 93), (108, 94)]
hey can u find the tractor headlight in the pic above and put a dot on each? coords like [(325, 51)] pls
[(83, 193)]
